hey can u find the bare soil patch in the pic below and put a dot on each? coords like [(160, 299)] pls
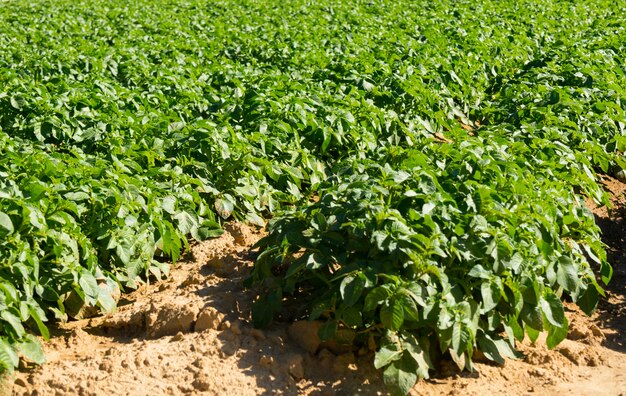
[(191, 334)]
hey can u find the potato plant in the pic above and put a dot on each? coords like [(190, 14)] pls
[(445, 251), (447, 144)]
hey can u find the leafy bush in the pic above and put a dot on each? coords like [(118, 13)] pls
[(447, 251), (66, 219)]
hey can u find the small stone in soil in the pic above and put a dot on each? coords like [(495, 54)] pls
[(235, 327), (179, 336), (257, 334), (209, 318), (266, 361), (295, 368), (304, 333)]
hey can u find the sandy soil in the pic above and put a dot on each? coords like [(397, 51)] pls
[(191, 334)]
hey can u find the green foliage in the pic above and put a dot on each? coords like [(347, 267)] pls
[(421, 251), (437, 160)]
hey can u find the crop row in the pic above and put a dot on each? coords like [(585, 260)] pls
[(446, 144)]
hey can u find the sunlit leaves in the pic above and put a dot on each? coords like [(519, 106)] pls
[(414, 274), (432, 157)]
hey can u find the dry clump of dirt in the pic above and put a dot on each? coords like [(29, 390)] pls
[(191, 334)]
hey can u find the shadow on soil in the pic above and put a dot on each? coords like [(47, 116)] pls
[(269, 355), (612, 310)]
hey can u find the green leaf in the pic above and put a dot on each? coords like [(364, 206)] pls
[(376, 297), (567, 273), (264, 308), (31, 348), (419, 351), (105, 296), (351, 288), (392, 315), (556, 334), (171, 242), (516, 330), (408, 304), (513, 263), (187, 221), (16, 102), (552, 308), (224, 206), (327, 330), (77, 196), (460, 338), (39, 317), (5, 223), (204, 233), (491, 293), (533, 334), (352, 316), (460, 359), (606, 270), (530, 291), (9, 291), (532, 316), (14, 321), (478, 271), (8, 357), (255, 219), (445, 338), (388, 353), (89, 286), (401, 375), (496, 349), (588, 300), (169, 204)]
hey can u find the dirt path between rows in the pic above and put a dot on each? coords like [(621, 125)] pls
[(191, 334)]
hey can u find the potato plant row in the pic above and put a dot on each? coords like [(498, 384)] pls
[(423, 164)]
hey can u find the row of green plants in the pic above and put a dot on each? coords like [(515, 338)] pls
[(74, 226), (422, 163), (423, 257)]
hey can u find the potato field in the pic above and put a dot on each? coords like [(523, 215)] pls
[(421, 175)]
